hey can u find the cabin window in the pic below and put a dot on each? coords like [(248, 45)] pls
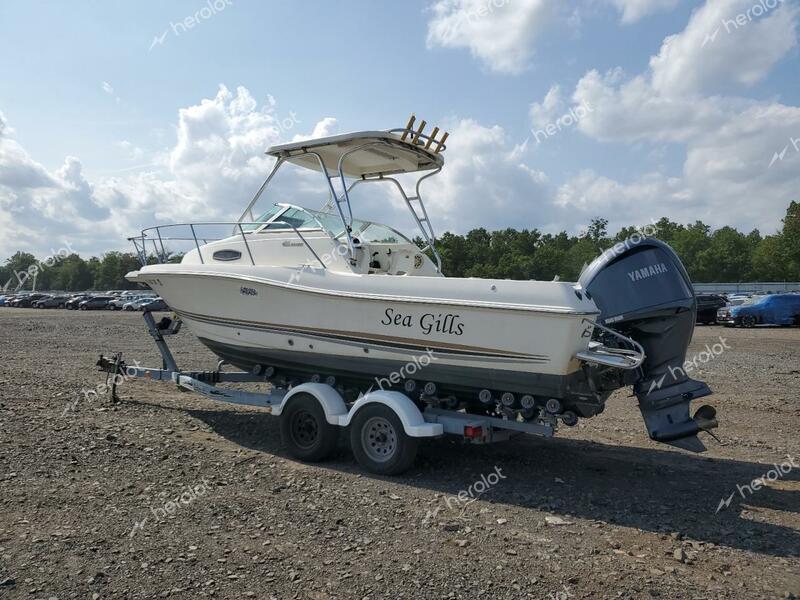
[(226, 255)]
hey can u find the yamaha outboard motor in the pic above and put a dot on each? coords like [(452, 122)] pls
[(643, 291)]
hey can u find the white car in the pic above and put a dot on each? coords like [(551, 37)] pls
[(120, 302), (135, 304)]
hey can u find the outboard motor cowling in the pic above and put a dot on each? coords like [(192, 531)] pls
[(643, 291)]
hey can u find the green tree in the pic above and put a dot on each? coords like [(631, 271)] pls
[(709, 256), (769, 261), (20, 272), (597, 230), (727, 257), (583, 252), (791, 240), (689, 243)]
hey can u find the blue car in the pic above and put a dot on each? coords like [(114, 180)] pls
[(776, 309)]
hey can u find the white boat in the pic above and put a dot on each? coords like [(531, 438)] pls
[(316, 295)]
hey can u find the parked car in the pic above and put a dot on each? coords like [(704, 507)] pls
[(50, 302), (75, 300), (775, 309), (707, 307), (8, 299), (724, 315), (95, 302), (154, 305), (120, 301), (739, 300), (137, 303), (136, 293), (3, 300), (26, 301)]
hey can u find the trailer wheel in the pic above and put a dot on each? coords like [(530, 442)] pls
[(305, 432), (379, 441)]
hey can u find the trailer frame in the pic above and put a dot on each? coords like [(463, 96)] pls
[(412, 424)]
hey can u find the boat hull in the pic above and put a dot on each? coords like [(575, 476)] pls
[(451, 335)]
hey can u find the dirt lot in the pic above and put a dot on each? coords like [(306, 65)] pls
[(600, 512)]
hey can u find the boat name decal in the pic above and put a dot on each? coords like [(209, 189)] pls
[(649, 271), (448, 323), (247, 291)]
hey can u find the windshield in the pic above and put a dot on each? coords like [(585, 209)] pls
[(376, 233), (263, 218), (304, 218)]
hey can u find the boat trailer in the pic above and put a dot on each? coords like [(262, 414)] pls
[(385, 426)]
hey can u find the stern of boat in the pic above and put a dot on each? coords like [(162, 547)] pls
[(642, 335)]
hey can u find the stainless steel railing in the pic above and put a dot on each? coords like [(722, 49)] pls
[(154, 235)]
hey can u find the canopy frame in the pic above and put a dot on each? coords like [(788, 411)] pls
[(313, 159)]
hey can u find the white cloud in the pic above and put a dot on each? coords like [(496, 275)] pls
[(729, 169), (210, 173), (634, 10), (501, 33), (131, 151), (549, 109), (108, 88), (715, 50), (726, 180), (486, 182), (639, 202), (324, 128), (729, 140), (633, 110), (667, 103), (17, 169)]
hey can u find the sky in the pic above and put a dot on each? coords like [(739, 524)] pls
[(115, 116)]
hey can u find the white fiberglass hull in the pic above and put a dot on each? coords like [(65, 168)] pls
[(476, 333)]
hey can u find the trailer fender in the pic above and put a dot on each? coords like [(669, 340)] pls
[(330, 400), (413, 422)]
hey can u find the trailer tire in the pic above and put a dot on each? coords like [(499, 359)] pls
[(379, 441), (305, 431)]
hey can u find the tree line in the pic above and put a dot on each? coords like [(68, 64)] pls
[(710, 255)]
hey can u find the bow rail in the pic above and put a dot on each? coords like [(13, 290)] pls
[(155, 236)]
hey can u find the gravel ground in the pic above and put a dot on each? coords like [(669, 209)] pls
[(599, 512)]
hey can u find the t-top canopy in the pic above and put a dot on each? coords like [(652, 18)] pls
[(366, 153)]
